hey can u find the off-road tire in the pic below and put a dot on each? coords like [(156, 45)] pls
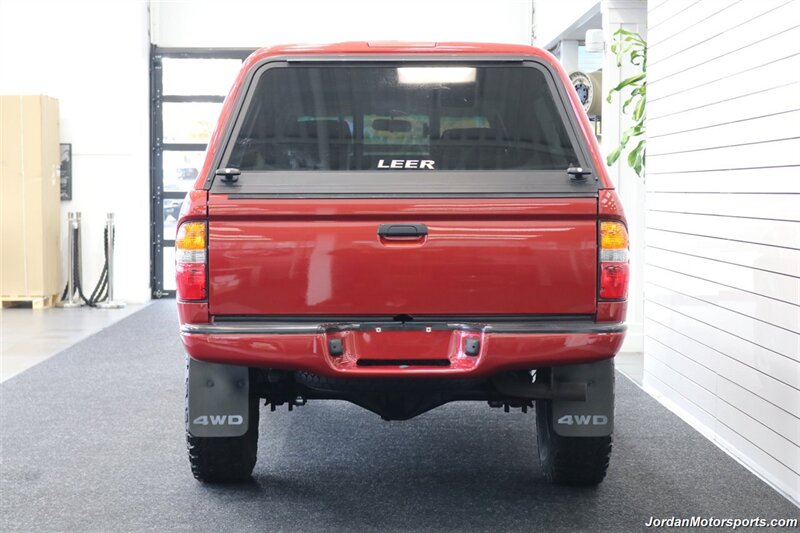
[(576, 461), (224, 459)]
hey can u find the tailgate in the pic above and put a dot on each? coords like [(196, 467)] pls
[(528, 256)]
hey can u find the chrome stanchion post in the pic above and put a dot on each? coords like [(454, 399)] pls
[(78, 250), (72, 226), (110, 303)]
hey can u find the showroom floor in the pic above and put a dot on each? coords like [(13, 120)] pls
[(29, 336), (92, 440)]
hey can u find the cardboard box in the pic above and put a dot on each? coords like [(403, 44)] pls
[(29, 196)]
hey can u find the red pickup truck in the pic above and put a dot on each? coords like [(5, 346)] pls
[(401, 226)]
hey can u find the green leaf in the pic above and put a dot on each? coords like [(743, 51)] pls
[(625, 136), (629, 101), (638, 111), (636, 158), (623, 31), (630, 34), (630, 46), (628, 81), (614, 155)]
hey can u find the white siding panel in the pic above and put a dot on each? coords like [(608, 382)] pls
[(659, 13), (743, 437), (699, 374), (770, 442), (773, 313), (782, 71), (767, 232), (776, 419), (767, 154), (733, 405), (776, 286), (763, 180), (728, 133), (678, 344), (681, 22), (652, 5), (754, 256), (718, 34), (780, 100), (774, 471), (688, 389), (740, 354), (752, 54), (722, 256), (653, 383), (778, 340), (766, 206)]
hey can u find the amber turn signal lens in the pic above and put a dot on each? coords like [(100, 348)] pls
[(191, 236), (613, 235), (191, 278)]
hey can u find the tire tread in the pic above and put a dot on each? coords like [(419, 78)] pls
[(575, 461)]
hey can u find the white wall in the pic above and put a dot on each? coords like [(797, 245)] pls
[(242, 23), (551, 17), (93, 57), (722, 328)]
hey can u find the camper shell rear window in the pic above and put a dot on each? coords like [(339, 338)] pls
[(368, 128)]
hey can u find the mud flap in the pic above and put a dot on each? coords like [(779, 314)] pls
[(218, 399), (595, 416)]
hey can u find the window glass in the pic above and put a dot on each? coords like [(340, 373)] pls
[(180, 169), (189, 122), (364, 117), (198, 77), (172, 209)]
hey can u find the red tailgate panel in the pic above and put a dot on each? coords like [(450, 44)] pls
[(324, 257)]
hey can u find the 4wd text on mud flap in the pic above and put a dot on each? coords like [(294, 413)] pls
[(218, 420), (583, 420)]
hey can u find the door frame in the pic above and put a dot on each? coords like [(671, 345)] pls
[(159, 241)]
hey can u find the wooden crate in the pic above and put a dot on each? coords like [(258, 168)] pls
[(35, 302), (29, 198)]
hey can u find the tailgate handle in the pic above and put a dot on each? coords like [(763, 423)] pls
[(392, 231)]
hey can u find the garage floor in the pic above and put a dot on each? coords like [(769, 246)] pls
[(92, 440), (30, 336)]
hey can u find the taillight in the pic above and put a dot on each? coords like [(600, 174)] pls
[(614, 268), (190, 261)]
